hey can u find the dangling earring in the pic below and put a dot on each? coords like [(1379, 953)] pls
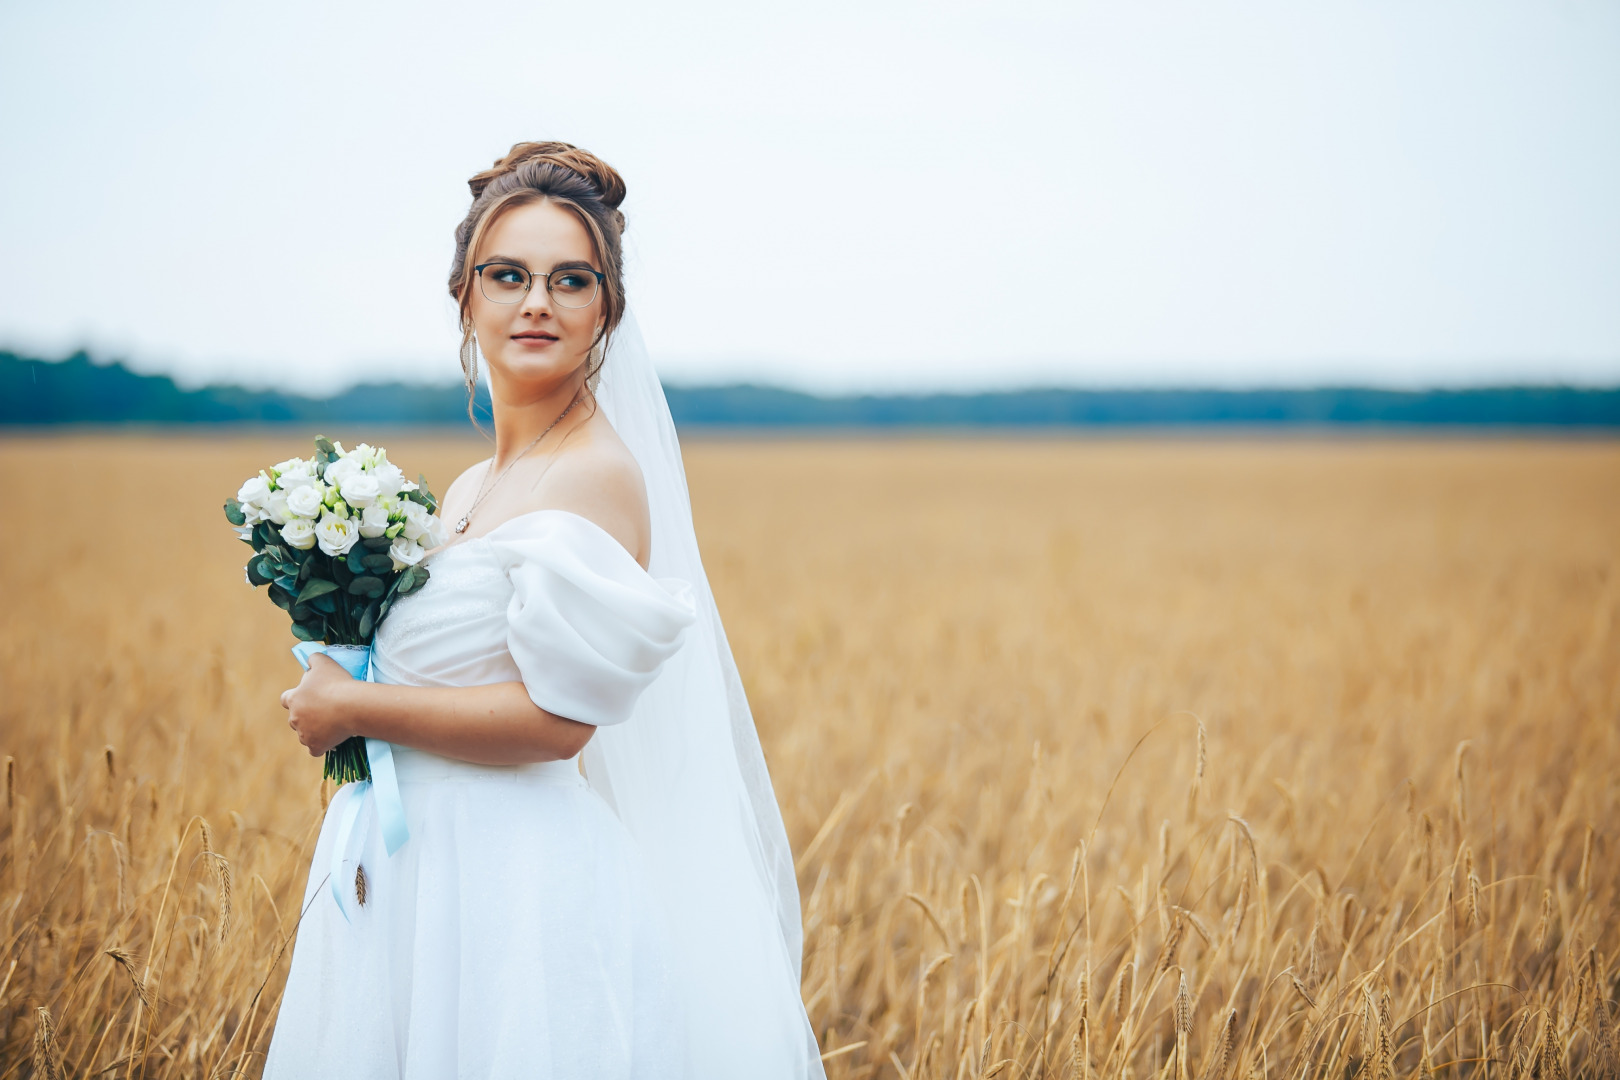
[(593, 366), (469, 361)]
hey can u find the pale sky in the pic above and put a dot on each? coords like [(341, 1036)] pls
[(896, 195)]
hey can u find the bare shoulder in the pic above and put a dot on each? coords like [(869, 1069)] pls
[(599, 480)]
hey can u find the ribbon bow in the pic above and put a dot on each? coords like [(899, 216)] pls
[(384, 783)]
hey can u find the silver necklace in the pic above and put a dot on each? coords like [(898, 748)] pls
[(466, 519)]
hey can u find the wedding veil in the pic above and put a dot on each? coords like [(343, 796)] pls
[(686, 776)]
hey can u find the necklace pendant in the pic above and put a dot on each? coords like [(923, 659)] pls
[(461, 526)]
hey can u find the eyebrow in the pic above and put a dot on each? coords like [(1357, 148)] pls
[(570, 264)]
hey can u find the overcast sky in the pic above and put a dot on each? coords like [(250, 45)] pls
[(928, 195)]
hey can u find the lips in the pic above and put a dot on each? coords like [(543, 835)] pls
[(534, 335)]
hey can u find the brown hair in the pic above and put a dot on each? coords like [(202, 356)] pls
[(574, 179)]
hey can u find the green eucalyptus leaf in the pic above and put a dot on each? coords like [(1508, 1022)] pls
[(355, 560), (305, 568), (324, 445), (377, 562), (317, 587), (302, 633), (233, 512), (367, 586), (326, 604), (340, 572), (266, 535), (288, 582), (368, 621), (375, 543), (256, 571)]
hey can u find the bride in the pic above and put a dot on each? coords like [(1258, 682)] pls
[(485, 909)]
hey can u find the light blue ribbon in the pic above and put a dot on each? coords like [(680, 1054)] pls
[(384, 782)]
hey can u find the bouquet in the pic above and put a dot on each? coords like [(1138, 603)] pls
[(337, 537)]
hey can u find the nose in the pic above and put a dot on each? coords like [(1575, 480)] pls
[(537, 301)]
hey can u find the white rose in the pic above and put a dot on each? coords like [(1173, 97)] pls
[(340, 470), (405, 552), (369, 456), (336, 534), (305, 500), (276, 508), (416, 519), (374, 521), (299, 533), (389, 479), (252, 515), (294, 472), (255, 492), (360, 490)]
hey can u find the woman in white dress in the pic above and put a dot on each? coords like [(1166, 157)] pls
[(485, 909)]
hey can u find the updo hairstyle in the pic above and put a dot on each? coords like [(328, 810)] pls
[(574, 179)]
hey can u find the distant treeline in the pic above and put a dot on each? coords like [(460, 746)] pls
[(80, 390)]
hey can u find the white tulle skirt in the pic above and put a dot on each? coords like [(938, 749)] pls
[(511, 936)]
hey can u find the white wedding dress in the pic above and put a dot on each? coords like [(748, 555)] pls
[(514, 934)]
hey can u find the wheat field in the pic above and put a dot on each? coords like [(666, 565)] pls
[(1123, 759)]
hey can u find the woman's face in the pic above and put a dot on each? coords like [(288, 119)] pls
[(535, 340)]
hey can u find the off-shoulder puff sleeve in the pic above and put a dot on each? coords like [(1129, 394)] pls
[(588, 628)]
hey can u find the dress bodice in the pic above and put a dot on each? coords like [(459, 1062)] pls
[(548, 598)]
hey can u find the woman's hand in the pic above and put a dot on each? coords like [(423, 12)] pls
[(319, 708)]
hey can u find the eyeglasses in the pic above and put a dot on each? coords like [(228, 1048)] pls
[(507, 283)]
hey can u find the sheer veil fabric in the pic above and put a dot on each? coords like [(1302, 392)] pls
[(687, 777)]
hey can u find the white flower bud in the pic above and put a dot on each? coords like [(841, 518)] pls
[(305, 501), (340, 470), (405, 552), (276, 508), (373, 521), (299, 533), (417, 519), (294, 472), (255, 492), (389, 479)]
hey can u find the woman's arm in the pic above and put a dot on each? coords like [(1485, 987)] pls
[(495, 724)]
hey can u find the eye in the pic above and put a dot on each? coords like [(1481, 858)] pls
[(506, 275), (570, 281)]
